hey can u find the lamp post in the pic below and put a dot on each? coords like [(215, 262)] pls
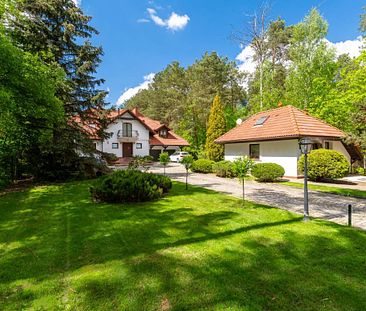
[(305, 146)]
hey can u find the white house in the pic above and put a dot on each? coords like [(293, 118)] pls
[(132, 134), (273, 136)]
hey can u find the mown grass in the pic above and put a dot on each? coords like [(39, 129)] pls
[(330, 189), (192, 250)]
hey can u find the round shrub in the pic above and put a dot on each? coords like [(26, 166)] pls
[(325, 164), (224, 169), (130, 186), (267, 172), (202, 166)]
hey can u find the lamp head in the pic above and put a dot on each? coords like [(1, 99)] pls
[(305, 145)]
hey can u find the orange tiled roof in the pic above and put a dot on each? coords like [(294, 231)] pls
[(171, 140), (153, 124), (281, 123)]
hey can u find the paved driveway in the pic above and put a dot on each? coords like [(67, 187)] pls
[(322, 205)]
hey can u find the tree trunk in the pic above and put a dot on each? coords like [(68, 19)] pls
[(261, 83), (187, 180)]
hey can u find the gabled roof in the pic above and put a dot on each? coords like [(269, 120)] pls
[(115, 114), (151, 125), (281, 123), (172, 139)]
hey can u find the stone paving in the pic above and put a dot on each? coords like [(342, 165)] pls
[(322, 205)]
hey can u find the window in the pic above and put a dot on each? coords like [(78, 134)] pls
[(254, 151), (127, 129), (315, 146), (328, 145), (138, 145), (95, 146), (261, 120), (114, 145), (163, 133)]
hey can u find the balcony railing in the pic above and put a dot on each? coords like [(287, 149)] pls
[(127, 136)]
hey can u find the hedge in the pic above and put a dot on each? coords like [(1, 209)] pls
[(267, 172), (224, 169), (202, 166), (130, 186), (325, 164)]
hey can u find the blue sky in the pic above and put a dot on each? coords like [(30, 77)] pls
[(141, 37)]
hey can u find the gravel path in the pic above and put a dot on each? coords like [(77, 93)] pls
[(322, 205)]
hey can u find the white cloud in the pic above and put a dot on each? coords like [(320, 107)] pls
[(350, 47), (174, 22), (143, 20), (132, 91), (77, 2), (156, 19), (245, 58)]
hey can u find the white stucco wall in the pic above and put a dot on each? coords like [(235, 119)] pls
[(116, 126), (282, 152)]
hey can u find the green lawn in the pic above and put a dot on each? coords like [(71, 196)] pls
[(195, 250), (330, 189)]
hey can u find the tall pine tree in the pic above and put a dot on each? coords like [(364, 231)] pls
[(59, 32), (216, 128)]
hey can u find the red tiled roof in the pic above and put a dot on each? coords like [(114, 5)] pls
[(152, 125), (281, 123), (171, 140), (90, 129)]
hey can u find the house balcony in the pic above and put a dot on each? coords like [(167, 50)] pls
[(127, 136)]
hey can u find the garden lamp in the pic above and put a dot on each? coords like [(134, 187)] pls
[(305, 146)]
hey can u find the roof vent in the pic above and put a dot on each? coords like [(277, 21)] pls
[(261, 120)]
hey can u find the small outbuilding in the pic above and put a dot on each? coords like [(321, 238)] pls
[(273, 136)]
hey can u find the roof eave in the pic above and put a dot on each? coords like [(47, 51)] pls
[(297, 136)]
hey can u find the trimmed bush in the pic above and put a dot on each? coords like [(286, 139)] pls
[(267, 172), (360, 171), (130, 186), (202, 166), (224, 169), (325, 164)]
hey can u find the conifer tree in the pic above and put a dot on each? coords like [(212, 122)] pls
[(216, 128), (59, 33)]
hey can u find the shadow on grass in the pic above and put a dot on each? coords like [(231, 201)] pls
[(194, 249)]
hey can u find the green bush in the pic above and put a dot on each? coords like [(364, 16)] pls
[(267, 172), (360, 171), (325, 164), (130, 186), (224, 169), (202, 166)]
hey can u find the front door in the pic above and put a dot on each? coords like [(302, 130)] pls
[(127, 150)]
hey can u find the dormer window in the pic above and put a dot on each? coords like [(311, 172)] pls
[(163, 133)]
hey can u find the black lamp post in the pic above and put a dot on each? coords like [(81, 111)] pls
[(305, 146)]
